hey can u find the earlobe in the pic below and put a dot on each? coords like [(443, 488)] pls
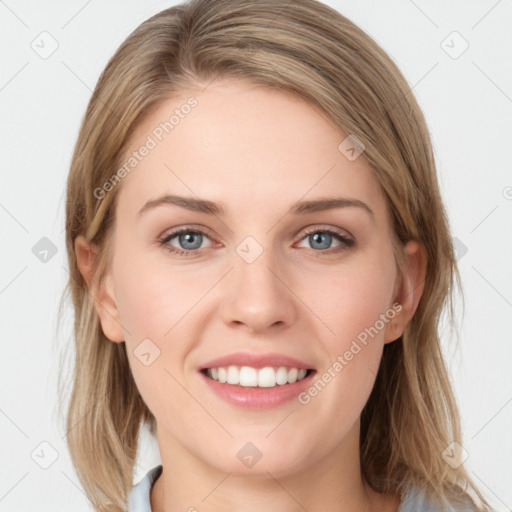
[(102, 293), (410, 289)]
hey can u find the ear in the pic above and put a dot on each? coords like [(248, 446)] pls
[(408, 291), (103, 293)]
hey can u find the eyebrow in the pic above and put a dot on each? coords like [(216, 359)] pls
[(209, 207)]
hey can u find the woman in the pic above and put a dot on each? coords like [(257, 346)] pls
[(259, 256)]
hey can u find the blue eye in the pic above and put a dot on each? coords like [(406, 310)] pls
[(187, 238), (191, 241), (323, 239)]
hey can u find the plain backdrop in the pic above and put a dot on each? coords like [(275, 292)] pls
[(456, 57)]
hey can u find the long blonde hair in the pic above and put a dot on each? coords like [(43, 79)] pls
[(305, 48)]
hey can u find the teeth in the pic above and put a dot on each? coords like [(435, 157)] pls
[(247, 376)]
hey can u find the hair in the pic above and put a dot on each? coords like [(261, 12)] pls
[(307, 49)]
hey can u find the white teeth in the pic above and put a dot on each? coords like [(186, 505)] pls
[(223, 374), (247, 376), (233, 375), (282, 376)]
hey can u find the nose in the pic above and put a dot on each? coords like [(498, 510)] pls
[(257, 296)]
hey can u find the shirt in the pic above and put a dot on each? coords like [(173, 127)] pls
[(412, 501)]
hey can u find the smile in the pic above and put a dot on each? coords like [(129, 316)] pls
[(247, 376)]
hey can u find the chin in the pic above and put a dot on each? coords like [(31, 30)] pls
[(246, 459)]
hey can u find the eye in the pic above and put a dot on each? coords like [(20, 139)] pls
[(190, 239), (321, 240)]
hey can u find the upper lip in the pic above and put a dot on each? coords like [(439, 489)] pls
[(256, 361)]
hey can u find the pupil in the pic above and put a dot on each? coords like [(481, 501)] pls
[(189, 238), (318, 236)]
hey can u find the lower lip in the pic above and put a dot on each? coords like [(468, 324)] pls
[(257, 398)]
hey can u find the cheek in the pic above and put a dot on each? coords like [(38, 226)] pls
[(154, 311), (154, 307), (351, 300), (154, 302)]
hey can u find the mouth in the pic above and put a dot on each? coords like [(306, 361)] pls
[(249, 377)]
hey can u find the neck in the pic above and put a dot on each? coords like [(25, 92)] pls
[(332, 482)]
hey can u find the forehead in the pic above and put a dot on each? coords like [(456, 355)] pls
[(238, 143)]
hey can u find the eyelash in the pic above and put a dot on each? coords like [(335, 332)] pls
[(164, 242)]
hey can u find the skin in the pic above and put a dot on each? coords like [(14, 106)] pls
[(257, 151)]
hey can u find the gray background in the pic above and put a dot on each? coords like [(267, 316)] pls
[(467, 100)]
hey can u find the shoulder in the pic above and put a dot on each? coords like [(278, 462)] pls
[(139, 499), (416, 500)]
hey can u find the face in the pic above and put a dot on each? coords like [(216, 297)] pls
[(259, 280)]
